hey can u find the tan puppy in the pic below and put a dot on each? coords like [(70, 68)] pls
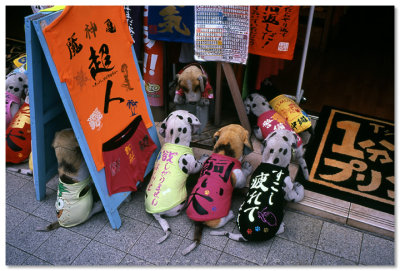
[(74, 203), (210, 200), (71, 164), (191, 82)]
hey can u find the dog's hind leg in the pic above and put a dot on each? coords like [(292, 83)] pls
[(97, 208), (281, 228), (220, 222), (240, 175), (164, 225), (302, 163), (234, 236), (293, 191)]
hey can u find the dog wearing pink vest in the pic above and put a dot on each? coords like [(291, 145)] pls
[(210, 200)]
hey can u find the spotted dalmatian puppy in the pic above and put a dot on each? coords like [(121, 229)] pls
[(166, 192), (268, 120), (261, 214)]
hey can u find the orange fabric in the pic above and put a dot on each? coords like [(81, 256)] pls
[(273, 31), (92, 50)]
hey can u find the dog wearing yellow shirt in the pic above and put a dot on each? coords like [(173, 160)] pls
[(166, 192)]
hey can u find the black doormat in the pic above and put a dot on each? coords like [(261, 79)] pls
[(351, 157)]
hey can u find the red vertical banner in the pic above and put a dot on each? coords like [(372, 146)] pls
[(273, 31), (152, 65)]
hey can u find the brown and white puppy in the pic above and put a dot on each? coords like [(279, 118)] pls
[(72, 169), (210, 200), (191, 83)]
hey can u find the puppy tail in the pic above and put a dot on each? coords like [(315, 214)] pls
[(52, 226), (27, 172), (198, 232), (304, 168), (234, 236)]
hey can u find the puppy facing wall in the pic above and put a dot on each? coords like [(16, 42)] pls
[(74, 203), (166, 192), (210, 200), (261, 213), (268, 120)]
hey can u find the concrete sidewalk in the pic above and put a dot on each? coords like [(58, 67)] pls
[(307, 240)]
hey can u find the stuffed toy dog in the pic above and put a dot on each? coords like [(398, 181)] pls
[(260, 215), (193, 86), (74, 203), (210, 200), (166, 192), (268, 121), (16, 89)]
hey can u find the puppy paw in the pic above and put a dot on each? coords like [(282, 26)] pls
[(204, 101), (179, 99), (281, 228), (299, 191), (247, 168), (203, 158), (188, 164)]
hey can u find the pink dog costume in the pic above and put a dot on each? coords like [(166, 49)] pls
[(10, 99), (211, 197), (270, 121)]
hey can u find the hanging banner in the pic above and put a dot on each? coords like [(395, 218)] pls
[(153, 60), (171, 23), (134, 17), (222, 33), (92, 50), (273, 31)]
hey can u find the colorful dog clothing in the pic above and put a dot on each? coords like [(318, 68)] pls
[(211, 197), (72, 207), (126, 157), (167, 187), (10, 99), (270, 121), (261, 214)]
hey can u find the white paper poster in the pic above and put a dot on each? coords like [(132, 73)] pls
[(222, 33)]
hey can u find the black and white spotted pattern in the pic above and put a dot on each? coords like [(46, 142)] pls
[(177, 128), (256, 104)]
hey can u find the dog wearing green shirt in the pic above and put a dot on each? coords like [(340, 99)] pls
[(75, 203)]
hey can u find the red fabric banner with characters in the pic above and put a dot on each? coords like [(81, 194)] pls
[(273, 31), (152, 65)]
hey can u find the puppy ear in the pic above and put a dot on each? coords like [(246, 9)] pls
[(202, 80), (295, 141), (246, 103), (264, 143), (162, 129), (248, 147), (216, 135), (194, 122)]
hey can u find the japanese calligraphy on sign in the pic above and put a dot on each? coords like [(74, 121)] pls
[(356, 155), (273, 31), (171, 23), (222, 33)]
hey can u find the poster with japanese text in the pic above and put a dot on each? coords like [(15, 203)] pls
[(273, 31), (171, 23), (222, 33)]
